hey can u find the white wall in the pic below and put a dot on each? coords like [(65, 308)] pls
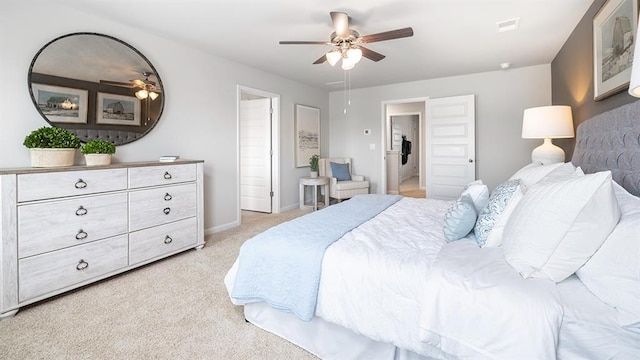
[(501, 97), (199, 119)]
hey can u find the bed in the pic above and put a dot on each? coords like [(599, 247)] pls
[(546, 266)]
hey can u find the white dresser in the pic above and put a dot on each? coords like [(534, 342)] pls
[(63, 228)]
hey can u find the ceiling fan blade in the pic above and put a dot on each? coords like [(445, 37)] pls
[(138, 83), (117, 83), (320, 60), (303, 43), (340, 23), (387, 35), (371, 55)]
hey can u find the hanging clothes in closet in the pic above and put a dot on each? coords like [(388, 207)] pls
[(406, 149)]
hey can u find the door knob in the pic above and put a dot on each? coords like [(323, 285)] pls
[(470, 160)]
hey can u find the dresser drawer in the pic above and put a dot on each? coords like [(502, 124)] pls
[(55, 225), (161, 175), (150, 243), (41, 186), (41, 274), (157, 206)]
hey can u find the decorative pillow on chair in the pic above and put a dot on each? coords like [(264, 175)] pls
[(479, 194), (460, 219), (490, 215), (340, 171), (559, 225)]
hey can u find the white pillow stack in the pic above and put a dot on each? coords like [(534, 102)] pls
[(613, 272), (560, 223), (479, 194)]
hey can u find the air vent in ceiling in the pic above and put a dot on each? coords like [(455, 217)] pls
[(508, 25)]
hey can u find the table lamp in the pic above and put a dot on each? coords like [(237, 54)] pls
[(547, 122)]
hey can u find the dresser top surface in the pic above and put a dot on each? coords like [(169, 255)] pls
[(33, 170)]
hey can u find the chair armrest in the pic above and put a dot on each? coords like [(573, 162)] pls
[(357, 177), (334, 181)]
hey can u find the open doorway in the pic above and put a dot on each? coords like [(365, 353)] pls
[(258, 153), (403, 138)]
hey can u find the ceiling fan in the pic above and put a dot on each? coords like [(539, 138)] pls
[(348, 42), (148, 88)]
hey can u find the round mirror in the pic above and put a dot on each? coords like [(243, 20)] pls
[(96, 86)]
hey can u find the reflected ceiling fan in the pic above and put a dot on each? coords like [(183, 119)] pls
[(347, 43), (147, 88)]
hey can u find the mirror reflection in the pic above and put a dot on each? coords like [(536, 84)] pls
[(96, 86)]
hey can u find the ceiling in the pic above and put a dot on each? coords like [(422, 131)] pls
[(451, 37)]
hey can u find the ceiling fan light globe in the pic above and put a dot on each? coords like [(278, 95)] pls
[(333, 57), (347, 64), (354, 55), (153, 95), (142, 94)]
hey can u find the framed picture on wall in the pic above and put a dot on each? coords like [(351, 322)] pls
[(307, 134), (117, 109), (614, 37), (61, 104)]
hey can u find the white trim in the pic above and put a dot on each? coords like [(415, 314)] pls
[(422, 125), (275, 145), (223, 227)]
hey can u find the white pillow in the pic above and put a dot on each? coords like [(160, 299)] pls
[(613, 272), (562, 172), (479, 194), (533, 172), (490, 215), (557, 226)]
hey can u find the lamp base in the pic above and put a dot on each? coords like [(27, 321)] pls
[(547, 153)]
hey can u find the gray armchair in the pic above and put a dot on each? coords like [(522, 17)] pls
[(344, 189)]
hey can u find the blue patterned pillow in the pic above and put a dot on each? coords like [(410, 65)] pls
[(460, 219), (490, 215), (340, 171)]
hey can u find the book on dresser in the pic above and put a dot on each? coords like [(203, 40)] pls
[(100, 222)]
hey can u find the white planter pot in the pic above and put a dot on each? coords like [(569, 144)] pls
[(52, 157), (97, 159), (314, 174)]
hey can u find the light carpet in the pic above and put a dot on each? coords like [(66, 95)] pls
[(176, 308)]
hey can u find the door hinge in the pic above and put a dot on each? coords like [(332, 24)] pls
[(270, 110), (271, 194)]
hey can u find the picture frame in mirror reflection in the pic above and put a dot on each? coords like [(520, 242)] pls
[(117, 109), (62, 104), (307, 134)]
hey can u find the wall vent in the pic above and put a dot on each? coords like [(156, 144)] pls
[(508, 25)]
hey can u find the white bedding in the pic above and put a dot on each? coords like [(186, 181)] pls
[(391, 280)]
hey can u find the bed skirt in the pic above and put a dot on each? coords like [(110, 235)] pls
[(321, 338)]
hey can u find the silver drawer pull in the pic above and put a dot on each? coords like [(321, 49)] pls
[(166, 210), (81, 211), (168, 239), (82, 265), (167, 175), (81, 184), (81, 235), (167, 197)]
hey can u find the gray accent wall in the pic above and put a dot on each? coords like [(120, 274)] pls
[(572, 77)]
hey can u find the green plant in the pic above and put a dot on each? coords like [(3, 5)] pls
[(52, 137), (98, 147), (313, 162)]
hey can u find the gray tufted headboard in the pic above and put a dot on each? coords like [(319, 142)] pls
[(611, 141)]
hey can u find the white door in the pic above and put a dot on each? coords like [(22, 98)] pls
[(450, 145), (255, 155)]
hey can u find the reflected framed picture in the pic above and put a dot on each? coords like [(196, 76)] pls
[(117, 109), (307, 134), (61, 104), (614, 37)]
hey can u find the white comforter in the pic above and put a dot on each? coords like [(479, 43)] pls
[(395, 279)]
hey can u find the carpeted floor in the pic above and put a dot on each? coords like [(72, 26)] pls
[(177, 308)]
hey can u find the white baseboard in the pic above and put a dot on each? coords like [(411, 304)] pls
[(290, 207), (222, 227)]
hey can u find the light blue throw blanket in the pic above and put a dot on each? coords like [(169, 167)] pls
[(282, 265)]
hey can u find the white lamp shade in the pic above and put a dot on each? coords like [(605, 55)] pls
[(142, 94), (333, 57), (634, 82), (354, 55), (547, 122), (347, 64), (153, 95)]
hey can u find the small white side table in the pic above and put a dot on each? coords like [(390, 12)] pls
[(315, 182)]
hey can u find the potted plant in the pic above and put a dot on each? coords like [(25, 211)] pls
[(51, 146), (98, 152), (313, 163)]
